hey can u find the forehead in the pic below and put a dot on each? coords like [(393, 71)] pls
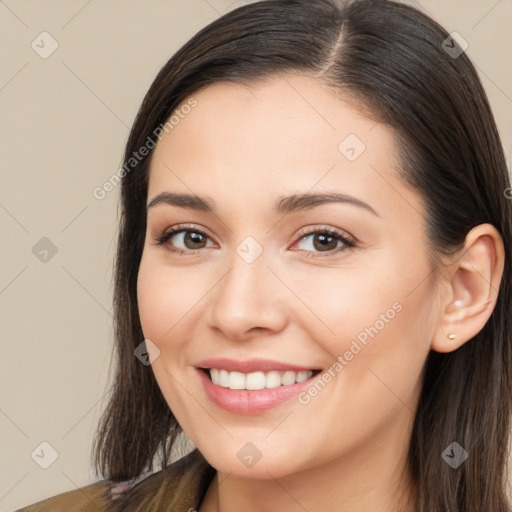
[(282, 113), (285, 135)]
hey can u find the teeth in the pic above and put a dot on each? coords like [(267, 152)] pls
[(257, 380)]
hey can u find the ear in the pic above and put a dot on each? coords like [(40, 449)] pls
[(471, 288)]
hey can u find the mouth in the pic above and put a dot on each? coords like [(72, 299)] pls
[(257, 380), (253, 386)]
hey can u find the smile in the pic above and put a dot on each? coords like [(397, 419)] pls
[(254, 386)]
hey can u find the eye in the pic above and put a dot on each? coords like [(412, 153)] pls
[(325, 242), (184, 239)]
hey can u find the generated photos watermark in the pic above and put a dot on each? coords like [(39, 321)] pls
[(101, 192), (321, 381)]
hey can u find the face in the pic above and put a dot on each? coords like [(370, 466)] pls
[(313, 315)]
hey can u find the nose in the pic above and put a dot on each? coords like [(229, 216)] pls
[(248, 301)]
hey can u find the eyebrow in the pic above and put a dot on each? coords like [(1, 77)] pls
[(283, 205)]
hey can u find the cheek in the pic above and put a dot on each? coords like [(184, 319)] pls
[(377, 354), (159, 308), (150, 300), (346, 304), (382, 298), (376, 324), (164, 316), (169, 301)]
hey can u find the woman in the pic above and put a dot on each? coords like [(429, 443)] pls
[(313, 274)]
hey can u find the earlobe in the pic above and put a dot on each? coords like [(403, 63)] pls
[(473, 282)]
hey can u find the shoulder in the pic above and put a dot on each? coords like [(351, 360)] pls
[(92, 498), (181, 485)]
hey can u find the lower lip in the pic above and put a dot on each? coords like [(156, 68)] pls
[(243, 401)]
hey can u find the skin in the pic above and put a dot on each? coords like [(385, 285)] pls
[(244, 147)]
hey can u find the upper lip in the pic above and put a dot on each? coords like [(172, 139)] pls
[(251, 365)]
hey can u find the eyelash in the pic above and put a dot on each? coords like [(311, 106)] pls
[(349, 243)]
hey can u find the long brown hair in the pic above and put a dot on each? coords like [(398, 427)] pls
[(390, 58)]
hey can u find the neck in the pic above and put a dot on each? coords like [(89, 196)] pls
[(374, 478)]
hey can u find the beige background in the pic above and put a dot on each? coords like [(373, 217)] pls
[(63, 125)]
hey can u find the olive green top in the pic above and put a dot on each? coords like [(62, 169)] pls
[(180, 487)]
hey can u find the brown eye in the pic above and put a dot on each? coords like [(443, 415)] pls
[(324, 242), (180, 239)]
